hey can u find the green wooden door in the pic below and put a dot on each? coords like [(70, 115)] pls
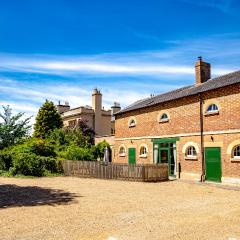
[(213, 164), (132, 155)]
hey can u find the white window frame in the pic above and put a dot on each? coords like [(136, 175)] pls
[(132, 122), (143, 155), (164, 119), (233, 152), (120, 153), (191, 156), (212, 111)]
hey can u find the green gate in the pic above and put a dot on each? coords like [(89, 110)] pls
[(213, 164), (132, 155)]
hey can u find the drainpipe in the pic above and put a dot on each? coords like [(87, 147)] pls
[(202, 138)]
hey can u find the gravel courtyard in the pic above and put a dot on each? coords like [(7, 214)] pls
[(74, 208)]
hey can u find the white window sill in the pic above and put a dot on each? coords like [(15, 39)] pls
[(235, 159), (163, 121), (143, 156), (122, 155), (211, 113), (193, 158)]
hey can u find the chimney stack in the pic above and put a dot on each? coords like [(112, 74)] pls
[(202, 71), (115, 108), (97, 108), (63, 107)]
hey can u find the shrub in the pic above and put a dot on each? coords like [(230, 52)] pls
[(6, 157), (28, 164), (41, 147), (51, 164), (98, 150), (77, 153)]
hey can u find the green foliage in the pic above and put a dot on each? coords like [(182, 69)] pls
[(98, 150), (40, 147), (81, 134), (76, 153), (6, 156), (35, 157), (51, 164), (47, 120), (13, 128), (28, 164)]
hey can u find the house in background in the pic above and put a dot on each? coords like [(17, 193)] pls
[(100, 120), (194, 129)]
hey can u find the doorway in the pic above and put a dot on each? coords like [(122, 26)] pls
[(132, 155), (213, 164), (164, 151)]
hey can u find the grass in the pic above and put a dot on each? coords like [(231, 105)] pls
[(4, 173)]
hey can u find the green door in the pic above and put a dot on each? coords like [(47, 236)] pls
[(132, 155), (213, 164)]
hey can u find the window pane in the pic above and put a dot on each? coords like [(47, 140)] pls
[(212, 107), (236, 152), (191, 151), (155, 155)]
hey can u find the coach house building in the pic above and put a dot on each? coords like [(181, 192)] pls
[(194, 129)]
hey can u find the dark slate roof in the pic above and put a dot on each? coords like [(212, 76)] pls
[(211, 84)]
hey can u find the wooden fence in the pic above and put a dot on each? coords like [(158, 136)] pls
[(120, 171)]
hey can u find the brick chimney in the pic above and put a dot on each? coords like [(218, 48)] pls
[(202, 71)]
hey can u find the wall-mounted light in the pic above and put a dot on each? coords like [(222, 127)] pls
[(212, 138)]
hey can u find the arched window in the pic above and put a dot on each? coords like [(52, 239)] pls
[(236, 152), (122, 151), (212, 108), (132, 123), (191, 152), (163, 118), (143, 151)]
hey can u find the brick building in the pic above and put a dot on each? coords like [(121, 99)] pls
[(100, 120), (195, 129)]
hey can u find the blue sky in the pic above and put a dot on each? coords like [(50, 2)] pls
[(62, 49)]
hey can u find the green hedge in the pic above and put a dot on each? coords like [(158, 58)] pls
[(77, 153)]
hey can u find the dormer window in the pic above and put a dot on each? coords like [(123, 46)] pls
[(132, 122)]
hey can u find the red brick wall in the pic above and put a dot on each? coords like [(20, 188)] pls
[(184, 119), (184, 116)]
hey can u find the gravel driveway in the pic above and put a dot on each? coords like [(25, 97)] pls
[(74, 208)]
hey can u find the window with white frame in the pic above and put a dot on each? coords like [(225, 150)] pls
[(122, 151), (132, 123), (143, 151), (212, 108), (236, 152), (191, 152), (163, 118)]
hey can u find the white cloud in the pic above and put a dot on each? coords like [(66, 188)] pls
[(122, 77)]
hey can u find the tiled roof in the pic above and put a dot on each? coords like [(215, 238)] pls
[(211, 84)]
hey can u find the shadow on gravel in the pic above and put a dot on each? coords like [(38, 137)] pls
[(18, 196)]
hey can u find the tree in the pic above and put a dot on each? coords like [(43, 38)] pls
[(81, 133), (98, 150), (13, 128), (47, 120)]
